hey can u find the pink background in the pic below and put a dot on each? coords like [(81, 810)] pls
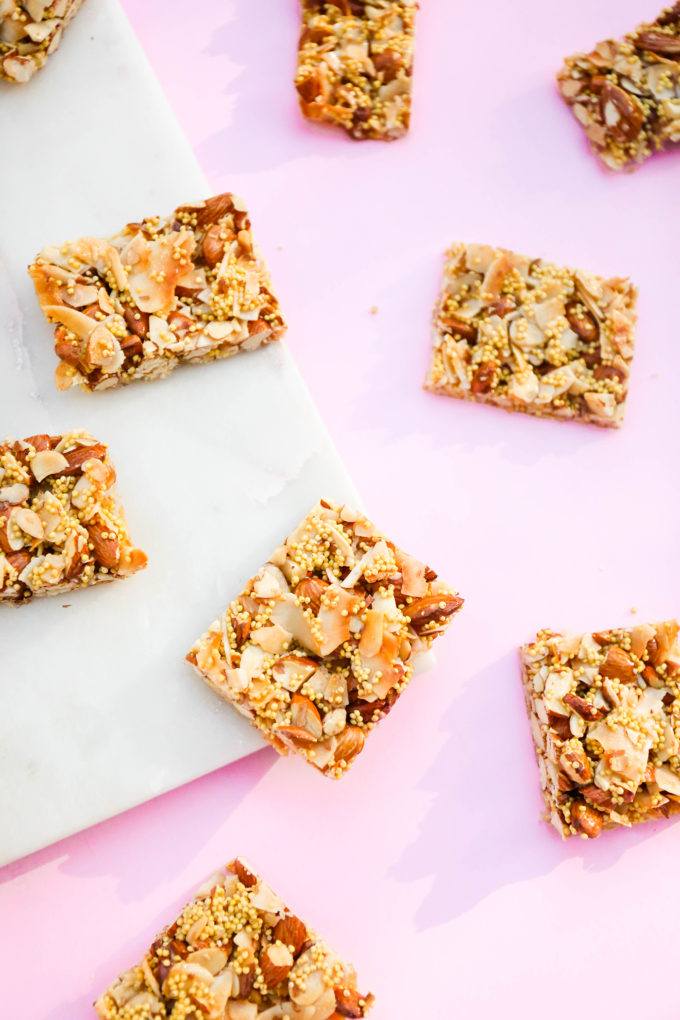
[(428, 865)]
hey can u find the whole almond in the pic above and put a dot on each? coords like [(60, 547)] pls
[(68, 351), (291, 932), (19, 560), (586, 820), (618, 665), (246, 981), (244, 874), (213, 245), (484, 378), (309, 592), (431, 608), (459, 328), (76, 458), (659, 42), (582, 322), (275, 962), (575, 763), (350, 743), (582, 707), (620, 112), (348, 1002), (215, 208), (388, 61), (41, 442), (105, 544), (137, 322)]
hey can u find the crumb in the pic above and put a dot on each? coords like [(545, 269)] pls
[(374, 310), (633, 609)]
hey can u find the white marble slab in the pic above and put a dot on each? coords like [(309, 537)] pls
[(215, 464)]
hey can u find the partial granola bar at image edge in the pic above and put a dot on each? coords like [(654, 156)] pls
[(30, 31), (626, 93), (325, 637), (605, 717), (60, 525), (528, 335), (192, 287), (236, 952), (355, 65)]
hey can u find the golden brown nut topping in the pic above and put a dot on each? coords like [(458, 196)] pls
[(31, 30), (236, 952), (324, 639), (606, 725), (191, 287), (60, 527), (355, 65), (626, 93), (528, 335)]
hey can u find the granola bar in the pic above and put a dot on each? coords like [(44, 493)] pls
[(605, 717), (324, 639), (60, 527), (191, 287), (626, 93), (30, 31), (532, 336), (236, 952), (355, 65)]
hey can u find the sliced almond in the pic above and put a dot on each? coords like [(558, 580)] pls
[(291, 671), (305, 715), (296, 734), (48, 462), (213, 958), (14, 494)]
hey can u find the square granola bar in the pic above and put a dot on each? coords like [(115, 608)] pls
[(31, 30), (190, 287), (605, 717), (324, 639), (355, 65), (60, 526), (532, 336), (236, 952), (626, 93)]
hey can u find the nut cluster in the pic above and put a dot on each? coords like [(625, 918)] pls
[(60, 527), (355, 64), (626, 93), (191, 287), (605, 717), (31, 30), (326, 636), (236, 953), (531, 336)]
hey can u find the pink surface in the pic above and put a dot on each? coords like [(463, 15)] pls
[(427, 865)]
